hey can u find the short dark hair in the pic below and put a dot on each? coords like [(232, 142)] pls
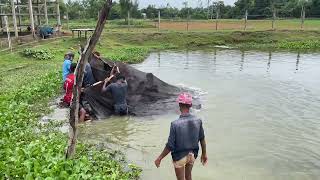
[(73, 67), (120, 77), (185, 105)]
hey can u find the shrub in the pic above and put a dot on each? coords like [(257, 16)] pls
[(39, 54)]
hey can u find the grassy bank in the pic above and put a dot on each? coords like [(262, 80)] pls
[(29, 150), (29, 81), (134, 46)]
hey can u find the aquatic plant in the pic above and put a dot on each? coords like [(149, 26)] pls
[(30, 150), (39, 54)]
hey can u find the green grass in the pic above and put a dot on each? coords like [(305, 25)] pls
[(29, 150)]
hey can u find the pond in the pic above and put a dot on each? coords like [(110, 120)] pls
[(260, 112)]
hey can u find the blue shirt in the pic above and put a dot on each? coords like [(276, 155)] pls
[(66, 68), (119, 92), (185, 134), (88, 78)]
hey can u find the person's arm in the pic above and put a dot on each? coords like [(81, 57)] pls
[(169, 147), (204, 157), (105, 87)]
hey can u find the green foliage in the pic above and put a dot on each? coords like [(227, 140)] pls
[(129, 54), (29, 150), (39, 54), (308, 44)]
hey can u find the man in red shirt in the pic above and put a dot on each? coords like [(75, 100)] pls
[(68, 86)]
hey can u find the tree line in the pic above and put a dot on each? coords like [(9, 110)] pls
[(257, 9)]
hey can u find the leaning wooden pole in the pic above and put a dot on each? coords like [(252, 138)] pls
[(14, 18), (31, 18), (74, 109)]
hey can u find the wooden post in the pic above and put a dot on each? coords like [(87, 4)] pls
[(217, 17), (128, 20), (8, 31), (274, 19), (31, 19), (188, 18), (303, 15), (58, 16), (1, 19), (19, 17), (46, 12), (208, 13), (159, 20), (39, 13), (14, 18), (67, 20), (74, 109), (246, 20)]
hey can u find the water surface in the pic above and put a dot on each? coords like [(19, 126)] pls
[(260, 112)]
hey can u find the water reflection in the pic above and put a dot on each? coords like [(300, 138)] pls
[(242, 60), (269, 61), (298, 61)]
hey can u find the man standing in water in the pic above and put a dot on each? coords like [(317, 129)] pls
[(183, 141), (119, 93)]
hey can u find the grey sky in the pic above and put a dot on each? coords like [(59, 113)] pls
[(178, 3)]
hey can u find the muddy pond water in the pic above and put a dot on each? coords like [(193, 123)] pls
[(261, 113)]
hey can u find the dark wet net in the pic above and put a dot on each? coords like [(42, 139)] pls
[(147, 94)]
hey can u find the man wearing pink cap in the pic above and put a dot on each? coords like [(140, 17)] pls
[(183, 142)]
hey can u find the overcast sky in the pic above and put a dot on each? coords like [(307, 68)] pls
[(178, 3)]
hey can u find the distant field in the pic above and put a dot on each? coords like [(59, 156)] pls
[(231, 24)]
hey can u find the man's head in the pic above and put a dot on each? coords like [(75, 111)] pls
[(73, 67), (69, 56), (120, 77), (185, 102)]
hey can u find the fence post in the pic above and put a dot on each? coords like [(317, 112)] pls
[(188, 17), (46, 12), (245, 20), (8, 31), (303, 15), (128, 20), (14, 17), (159, 20), (273, 19), (217, 17), (31, 19), (58, 16)]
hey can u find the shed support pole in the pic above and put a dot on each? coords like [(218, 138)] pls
[(31, 18), (14, 18)]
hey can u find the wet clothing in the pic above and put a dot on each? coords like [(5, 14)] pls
[(88, 78), (119, 94), (187, 160), (121, 109), (66, 68), (68, 86), (185, 134)]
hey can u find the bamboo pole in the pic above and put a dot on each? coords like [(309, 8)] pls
[(217, 17), (303, 15), (74, 110), (58, 16), (159, 20), (8, 31), (46, 12), (31, 18), (128, 19), (274, 19), (246, 20), (14, 18)]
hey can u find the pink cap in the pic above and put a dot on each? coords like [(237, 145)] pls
[(185, 98)]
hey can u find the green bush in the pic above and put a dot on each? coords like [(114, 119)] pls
[(29, 150), (39, 54)]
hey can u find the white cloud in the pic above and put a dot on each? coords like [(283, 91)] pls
[(178, 3)]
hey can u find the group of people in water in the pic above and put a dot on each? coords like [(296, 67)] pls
[(115, 83), (185, 133)]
